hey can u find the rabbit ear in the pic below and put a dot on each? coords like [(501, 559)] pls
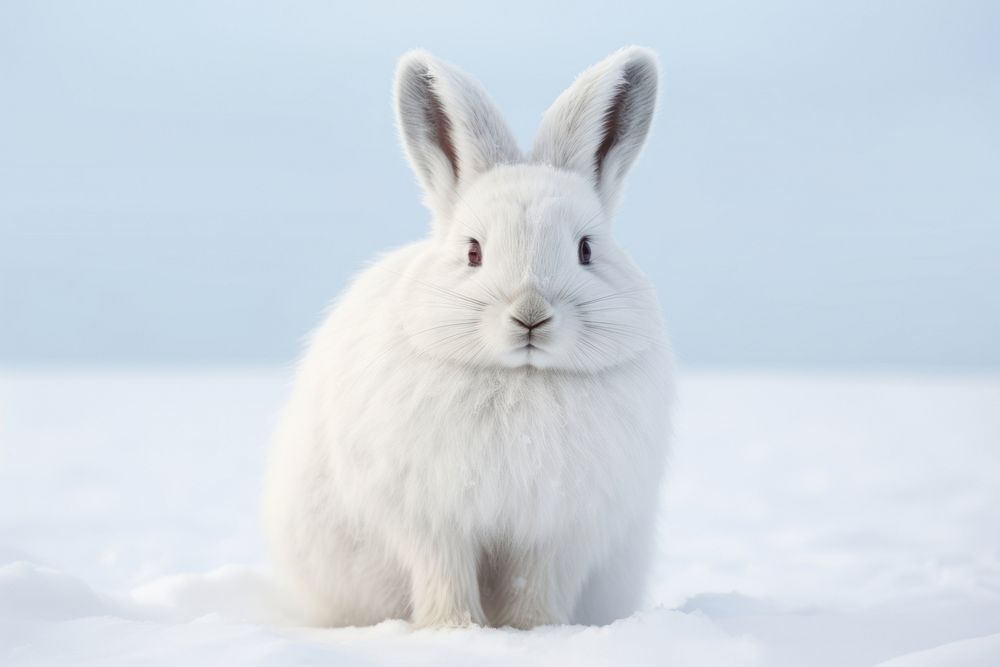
[(598, 126), (450, 128)]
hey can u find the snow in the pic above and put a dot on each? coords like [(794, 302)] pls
[(978, 652), (808, 519)]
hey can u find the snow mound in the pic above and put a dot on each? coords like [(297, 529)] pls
[(233, 592), (32, 591), (978, 652)]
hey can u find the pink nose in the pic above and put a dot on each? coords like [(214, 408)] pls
[(530, 310), (531, 325)]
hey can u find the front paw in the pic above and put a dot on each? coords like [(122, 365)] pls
[(441, 617), (527, 618)]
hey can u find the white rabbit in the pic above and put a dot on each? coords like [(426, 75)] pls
[(478, 430)]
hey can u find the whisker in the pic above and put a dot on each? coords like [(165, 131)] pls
[(614, 296), (442, 289)]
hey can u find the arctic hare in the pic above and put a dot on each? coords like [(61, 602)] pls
[(477, 432)]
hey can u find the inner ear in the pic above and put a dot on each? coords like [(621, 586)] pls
[(438, 122), (620, 115), (612, 127)]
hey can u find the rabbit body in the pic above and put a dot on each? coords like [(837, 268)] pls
[(426, 469)]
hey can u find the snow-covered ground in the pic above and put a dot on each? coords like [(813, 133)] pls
[(808, 520)]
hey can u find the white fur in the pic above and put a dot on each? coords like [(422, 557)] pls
[(430, 466)]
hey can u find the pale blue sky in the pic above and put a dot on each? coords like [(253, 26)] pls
[(191, 183)]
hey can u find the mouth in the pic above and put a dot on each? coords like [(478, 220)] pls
[(527, 352), (526, 355)]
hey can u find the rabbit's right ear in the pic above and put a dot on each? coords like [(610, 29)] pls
[(598, 126), (451, 130)]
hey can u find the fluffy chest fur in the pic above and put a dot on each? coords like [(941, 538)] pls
[(511, 453)]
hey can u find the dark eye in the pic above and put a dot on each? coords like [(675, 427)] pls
[(583, 251), (475, 253)]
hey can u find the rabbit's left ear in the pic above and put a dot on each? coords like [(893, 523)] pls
[(451, 130), (598, 126)]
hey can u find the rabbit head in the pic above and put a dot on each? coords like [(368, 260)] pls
[(521, 269)]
